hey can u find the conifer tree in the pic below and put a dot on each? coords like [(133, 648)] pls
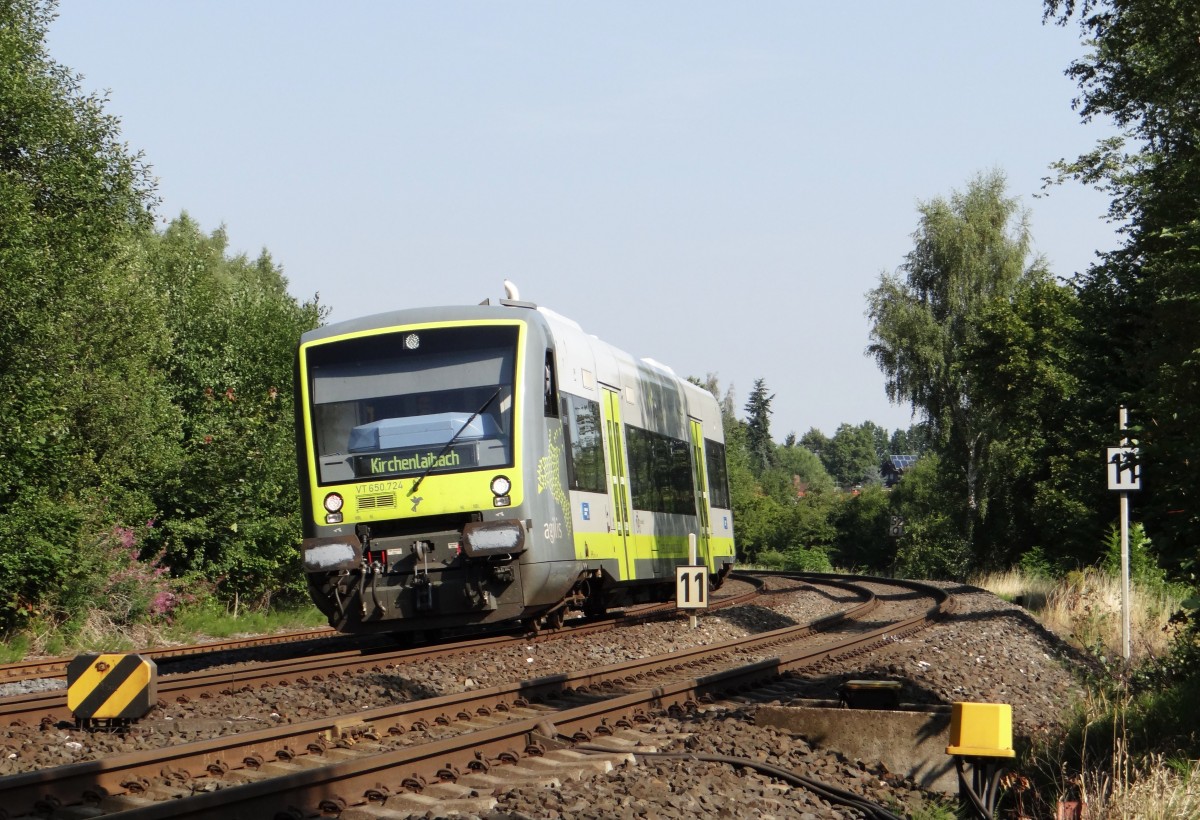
[(758, 427)]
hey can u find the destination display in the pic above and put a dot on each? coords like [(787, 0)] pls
[(414, 460)]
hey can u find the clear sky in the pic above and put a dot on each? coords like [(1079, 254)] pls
[(712, 185)]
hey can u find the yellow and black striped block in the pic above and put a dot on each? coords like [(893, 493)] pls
[(111, 687)]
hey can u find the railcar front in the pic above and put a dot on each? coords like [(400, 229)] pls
[(421, 435)]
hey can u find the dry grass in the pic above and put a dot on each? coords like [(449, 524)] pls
[(1085, 608), (1151, 791), (1029, 591), (98, 633)]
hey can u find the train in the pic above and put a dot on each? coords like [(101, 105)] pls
[(492, 465)]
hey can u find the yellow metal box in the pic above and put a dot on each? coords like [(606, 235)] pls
[(981, 730), (111, 687)]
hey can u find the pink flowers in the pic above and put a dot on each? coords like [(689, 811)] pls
[(135, 588)]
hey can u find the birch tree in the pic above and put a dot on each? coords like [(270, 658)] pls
[(971, 249)]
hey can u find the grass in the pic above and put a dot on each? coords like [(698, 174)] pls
[(99, 633), (1030, 591), (197, 624), (931, 810), (1152, 787), (14, 649), (1156, 791), (1085, 608)]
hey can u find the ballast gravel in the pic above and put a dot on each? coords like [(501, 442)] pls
[(988, 650)]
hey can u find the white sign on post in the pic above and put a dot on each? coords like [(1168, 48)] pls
[(691, 587), (1124, 473)]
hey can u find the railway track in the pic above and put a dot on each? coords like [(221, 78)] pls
[(50, 707), (57, 667), (383, 761)]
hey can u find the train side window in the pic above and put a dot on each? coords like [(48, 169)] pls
[(683, 487), (718, 477), (644, 491), (585, 445), (550, 386), (660, 472)]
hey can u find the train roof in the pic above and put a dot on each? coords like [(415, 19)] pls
[(406, 316), (560, 327)]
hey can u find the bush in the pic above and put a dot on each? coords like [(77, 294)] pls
[(771, 559), (132, 590), (37, 559), (933, 548), (862, 530), (1143, 566), (797, 559), (803, 559), (1037, 564)]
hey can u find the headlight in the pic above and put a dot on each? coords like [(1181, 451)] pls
[(333, 502), (500, 487), (485, 538)]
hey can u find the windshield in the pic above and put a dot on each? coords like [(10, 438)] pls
[(386, 405)]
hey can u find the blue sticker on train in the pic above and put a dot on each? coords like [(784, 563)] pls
[(586, 509)]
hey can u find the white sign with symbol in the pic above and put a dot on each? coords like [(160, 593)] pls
[(1124, 473), (691, 587)]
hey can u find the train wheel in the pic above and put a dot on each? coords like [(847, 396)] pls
[(716, 579), (594, 606), (555, 619)]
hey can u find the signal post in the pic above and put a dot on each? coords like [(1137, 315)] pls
[(1124, 476)]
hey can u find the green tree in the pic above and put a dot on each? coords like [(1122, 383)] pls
[(231, 512), (1041, 483), (971, 251), (879, 440), (913, 441), (932, 545), (815, 442), (758, 426), (88, 428), (1142, 300), (862, 522), (770, 515), (801, 470), (852, 455)]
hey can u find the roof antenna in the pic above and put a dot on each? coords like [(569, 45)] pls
[(513, 297)]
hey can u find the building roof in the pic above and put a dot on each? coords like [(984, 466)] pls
[(902, 462)]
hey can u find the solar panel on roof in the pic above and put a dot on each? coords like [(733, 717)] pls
[(903, 462)]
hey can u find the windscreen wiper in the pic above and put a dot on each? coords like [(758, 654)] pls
[(452, 439)]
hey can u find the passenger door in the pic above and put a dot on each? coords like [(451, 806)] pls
[(618, 481), (700, 482)]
